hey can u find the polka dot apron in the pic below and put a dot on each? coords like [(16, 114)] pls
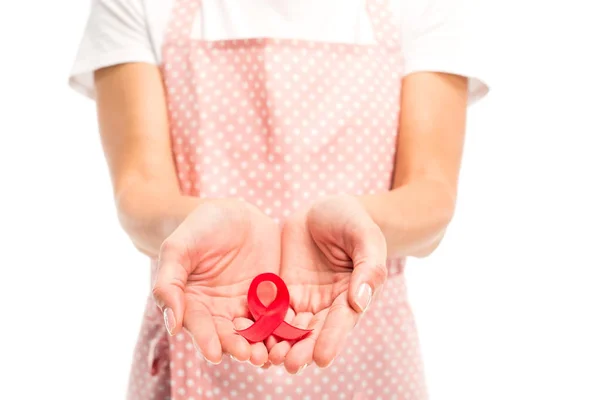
[(280, 123)]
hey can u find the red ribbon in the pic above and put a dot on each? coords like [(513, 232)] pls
[(269, 320)]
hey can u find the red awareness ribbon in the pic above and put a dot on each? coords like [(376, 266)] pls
[(269, 320)]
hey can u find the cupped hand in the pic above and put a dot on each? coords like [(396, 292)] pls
[(204, 270), (333, 261)]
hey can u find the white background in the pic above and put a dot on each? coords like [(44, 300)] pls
[(508, 307)]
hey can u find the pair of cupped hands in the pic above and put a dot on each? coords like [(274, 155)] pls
[(331, 255)]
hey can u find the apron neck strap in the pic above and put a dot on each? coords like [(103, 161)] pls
[(185, 12), (385, 30), (181, 22)]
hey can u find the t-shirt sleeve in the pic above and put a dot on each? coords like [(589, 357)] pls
[(116, 32), (439, 36)]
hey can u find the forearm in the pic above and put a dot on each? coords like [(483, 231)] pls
[(135, 136), (413, 217), (149, 215)]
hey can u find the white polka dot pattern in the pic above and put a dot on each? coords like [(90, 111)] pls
[(280, 123)]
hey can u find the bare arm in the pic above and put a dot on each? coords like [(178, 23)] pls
[(414, 215), (135, 136)]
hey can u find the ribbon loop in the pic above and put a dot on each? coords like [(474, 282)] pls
[(270, 320)]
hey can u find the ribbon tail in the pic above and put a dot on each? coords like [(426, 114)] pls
[(260, 330), (288, 332)]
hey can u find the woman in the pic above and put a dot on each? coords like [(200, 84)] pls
[(266, 136)]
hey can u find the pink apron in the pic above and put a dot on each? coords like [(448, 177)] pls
[(280, 123)]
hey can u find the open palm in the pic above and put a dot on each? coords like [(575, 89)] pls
[(205, 268), (333, 258)]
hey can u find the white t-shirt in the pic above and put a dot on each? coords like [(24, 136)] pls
[(436, 34)]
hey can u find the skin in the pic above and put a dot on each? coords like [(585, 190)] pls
[(328, 251), (338, 243), (205, 269), (134, 128)]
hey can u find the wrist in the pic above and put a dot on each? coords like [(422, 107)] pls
[(174, 210), (382, 209), (149, 216), (412, 217)]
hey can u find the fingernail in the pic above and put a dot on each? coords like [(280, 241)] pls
[(208, 361), (328, 365), (233, 358), (169, 317), (363, 297), (301, 369), (211, 362)]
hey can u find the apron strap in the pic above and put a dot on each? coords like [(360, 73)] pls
[(181, 22), (385, 30)]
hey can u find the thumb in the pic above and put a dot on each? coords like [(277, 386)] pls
[(169, 284), (369, 254)]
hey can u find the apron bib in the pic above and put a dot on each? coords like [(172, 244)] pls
[(279, 123)]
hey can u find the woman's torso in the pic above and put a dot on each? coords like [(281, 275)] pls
[(279, 123)]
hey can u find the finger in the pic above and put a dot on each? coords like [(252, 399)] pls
[(279, 351), (231, 342), (276, 343), (341, 320), (271, 342), (258, 351), (170, 281), (302, 352), (289, 318), (369, 254), (200, 324), (266, 365)]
